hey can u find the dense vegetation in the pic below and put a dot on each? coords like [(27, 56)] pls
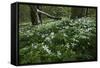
[(56, 41), (69, 34)]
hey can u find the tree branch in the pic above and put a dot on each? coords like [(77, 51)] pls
[(48, 15)]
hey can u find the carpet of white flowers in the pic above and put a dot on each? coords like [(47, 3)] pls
[(58, 41)]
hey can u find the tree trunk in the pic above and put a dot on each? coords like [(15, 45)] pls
[(78, 12), (34, 15)]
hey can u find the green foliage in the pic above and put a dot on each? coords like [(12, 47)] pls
[(56, 41)]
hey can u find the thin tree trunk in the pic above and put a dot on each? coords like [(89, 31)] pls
[(40, 16), (87, 11)]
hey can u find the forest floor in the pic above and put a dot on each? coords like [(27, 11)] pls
[(58, 40)]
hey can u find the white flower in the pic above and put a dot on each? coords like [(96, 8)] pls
[(65, 35), (47, 38), (66, 27), (46, 49), (42, 43), (58, 52), (28, 31), (88, 29), (73, 44), (43, 36), (52, 33), (34, 46), (52, 37), (25, 48), (68, 46)]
